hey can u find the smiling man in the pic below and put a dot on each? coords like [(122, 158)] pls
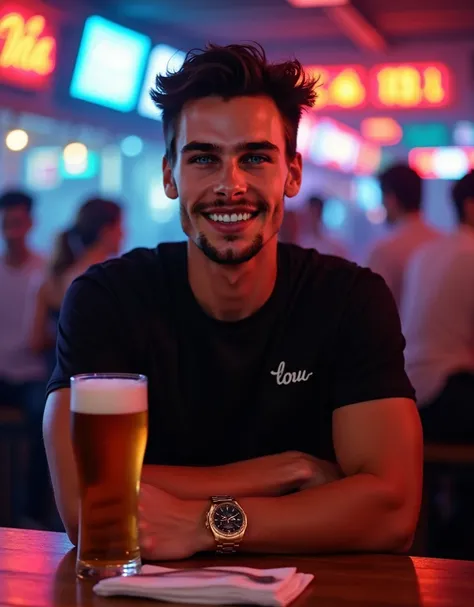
[(276, 374)]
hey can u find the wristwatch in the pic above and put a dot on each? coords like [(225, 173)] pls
[(227, 521)]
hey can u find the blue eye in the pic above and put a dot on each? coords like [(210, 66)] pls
[(255, 159), (203, 159)]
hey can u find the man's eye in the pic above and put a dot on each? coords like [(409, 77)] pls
[(203, 159), (255, 159)]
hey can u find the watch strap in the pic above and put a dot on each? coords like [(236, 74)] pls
[(220, 499)]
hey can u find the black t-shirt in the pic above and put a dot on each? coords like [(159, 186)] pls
[(329, 336)]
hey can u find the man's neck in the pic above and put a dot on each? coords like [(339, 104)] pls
[(231, 293), (17, 256)]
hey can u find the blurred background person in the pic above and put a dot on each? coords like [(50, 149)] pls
[(22, 371), (438, 321), (315, 235), (95, 236), (402, 197)]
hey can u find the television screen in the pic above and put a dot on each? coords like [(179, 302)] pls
[(110, 65)]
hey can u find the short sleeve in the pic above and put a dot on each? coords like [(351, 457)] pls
[(369, 356), (90, 337)]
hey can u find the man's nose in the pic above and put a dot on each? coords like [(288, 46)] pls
[(231, 182)]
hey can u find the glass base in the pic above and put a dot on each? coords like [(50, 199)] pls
[(96, 570)]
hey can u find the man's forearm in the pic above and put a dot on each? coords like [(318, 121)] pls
[(271, 475), (356, 513), (190, 483)]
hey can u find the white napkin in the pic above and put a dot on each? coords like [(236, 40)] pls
[(210, 585)]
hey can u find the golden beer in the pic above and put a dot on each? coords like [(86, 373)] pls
[(109, 417)]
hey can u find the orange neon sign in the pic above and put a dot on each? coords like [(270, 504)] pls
[(27, 48), (339, 86), (411, 85), (394, 86)]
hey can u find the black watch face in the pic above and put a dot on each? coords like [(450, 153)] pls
[(228, 519)]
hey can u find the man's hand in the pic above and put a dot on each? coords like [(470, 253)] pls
[(280, 474), (170, 528), (267, 476)]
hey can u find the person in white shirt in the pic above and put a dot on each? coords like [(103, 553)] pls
[(22, 373), (401, 196), (315, 237), (438, 322)]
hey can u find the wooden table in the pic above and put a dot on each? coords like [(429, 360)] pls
[(37, 569)]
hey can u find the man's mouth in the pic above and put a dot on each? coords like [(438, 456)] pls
[(220, 217)]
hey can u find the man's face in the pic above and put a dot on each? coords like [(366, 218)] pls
[(231, 175), (15, 224)]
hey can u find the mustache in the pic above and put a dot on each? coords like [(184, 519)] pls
[(259, 205)]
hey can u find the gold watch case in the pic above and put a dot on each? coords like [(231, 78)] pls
[(226, 537)]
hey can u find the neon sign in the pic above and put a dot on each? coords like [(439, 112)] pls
[(340, 86), (448, 162), (411, 85), (336, 146), (27, 48), (110, 65), (394, 86)]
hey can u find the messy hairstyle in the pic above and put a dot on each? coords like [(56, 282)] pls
[(236, 70)]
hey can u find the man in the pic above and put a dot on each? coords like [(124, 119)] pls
[(265, 361), (315, 236), (402, 193), (438, 321), (22, 373)]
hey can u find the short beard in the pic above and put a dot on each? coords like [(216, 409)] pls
[(228, 257)]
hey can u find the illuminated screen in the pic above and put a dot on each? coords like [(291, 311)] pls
[(110, 65), (163, 58)]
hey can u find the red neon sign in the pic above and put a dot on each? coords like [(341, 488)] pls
[(27, 48), (340, 86), (394, 86), (410, 85)]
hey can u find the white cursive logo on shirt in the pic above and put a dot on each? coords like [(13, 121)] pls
[(290, 377)]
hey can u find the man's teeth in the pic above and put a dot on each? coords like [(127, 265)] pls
[(230, 218)]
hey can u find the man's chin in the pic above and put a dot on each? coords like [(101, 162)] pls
[(228, 254)]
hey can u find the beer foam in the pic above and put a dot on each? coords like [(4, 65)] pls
[(113, 396)]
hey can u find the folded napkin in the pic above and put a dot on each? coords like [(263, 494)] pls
[(211, 585)]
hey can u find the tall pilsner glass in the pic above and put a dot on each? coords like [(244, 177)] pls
[(109, 417)]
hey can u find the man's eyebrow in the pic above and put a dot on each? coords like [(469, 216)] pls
[(248, 146)]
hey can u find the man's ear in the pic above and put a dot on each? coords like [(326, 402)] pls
[(295, 175), (169, 183)]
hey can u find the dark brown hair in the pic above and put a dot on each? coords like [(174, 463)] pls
[(236, 70), (92, 217)]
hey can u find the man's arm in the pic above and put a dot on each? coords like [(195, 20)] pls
[(272, 475), (373, 508)]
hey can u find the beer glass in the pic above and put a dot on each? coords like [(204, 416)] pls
[(109, 424)]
